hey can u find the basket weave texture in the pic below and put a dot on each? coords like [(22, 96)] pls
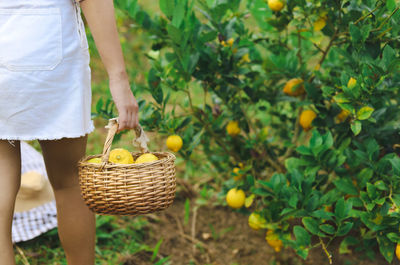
[(127, 189)]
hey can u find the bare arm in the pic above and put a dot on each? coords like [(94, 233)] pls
[(101, 20)]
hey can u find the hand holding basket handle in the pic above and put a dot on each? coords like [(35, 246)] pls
[(141, 138), (128, 189)]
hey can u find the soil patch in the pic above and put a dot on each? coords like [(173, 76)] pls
[(223, 237)]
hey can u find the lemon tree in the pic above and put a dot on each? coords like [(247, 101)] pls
[(321, 76)]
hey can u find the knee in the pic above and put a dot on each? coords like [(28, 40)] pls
[(64, 183)]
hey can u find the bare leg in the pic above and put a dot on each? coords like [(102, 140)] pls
[(10, 179), (76, 223)]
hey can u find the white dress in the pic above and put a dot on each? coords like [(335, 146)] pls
[(45, 90)]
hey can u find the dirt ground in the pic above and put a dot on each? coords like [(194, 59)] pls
[(223, 237)]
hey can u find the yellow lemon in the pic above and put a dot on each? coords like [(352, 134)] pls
[(273, 240), (342, 116), (306, 118), (294, 87), (235, 198), (263, 133), (233, 128), (319, 24), (246, 58), (145, 158), (352, 82), (96, 160), (398, 251), (237, 175), (276, 5), (256, 221), (174, 143), (120, 156), (230, 42)]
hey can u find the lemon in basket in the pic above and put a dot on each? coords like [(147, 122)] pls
[(96, 160), (120, 156), (145, 158)]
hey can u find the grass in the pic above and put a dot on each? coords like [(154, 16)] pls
[(118, 238)]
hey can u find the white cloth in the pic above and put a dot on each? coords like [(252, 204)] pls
[(34, 222), (45, 90)]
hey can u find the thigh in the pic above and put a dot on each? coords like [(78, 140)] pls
[(61, 158), (10, 171)]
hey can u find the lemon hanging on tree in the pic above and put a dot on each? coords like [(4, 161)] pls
[(174, 143), (319, 24), (276, 5), (273, 240), (306, 118), (235, 198), (233, 128), (398, 251), (256, 221), (294, 87), (120, 156)]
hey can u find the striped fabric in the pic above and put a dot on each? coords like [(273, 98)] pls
[(30, 224)]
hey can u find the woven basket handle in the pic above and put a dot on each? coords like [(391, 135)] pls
[(141, 138)]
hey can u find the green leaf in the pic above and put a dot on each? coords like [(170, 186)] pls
[(380, 185), (178, 14), (209, 36), (356, 127), (167, 7), (311, 225), (174, 33), (346, 186), (293, 163), (315, 141), (341, 98), (99, 105), (303, 150), (386, 247), (394, 237), (355, 34), (364, 113), (365, 174), (196, 140), (372, 192), (342, 209), (303, 238), (390, 5), (155, 250), (388, 55), (327, 229), (321, 214), (365, 30), (395, 161), (294, 198), (344, 228)]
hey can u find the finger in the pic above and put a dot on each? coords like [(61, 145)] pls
[(136, 119), (130, 119), (122, 121)]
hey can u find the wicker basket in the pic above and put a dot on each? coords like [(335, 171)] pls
[(127, 189)]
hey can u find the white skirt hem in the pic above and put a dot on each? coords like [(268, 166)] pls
[(52, 137)]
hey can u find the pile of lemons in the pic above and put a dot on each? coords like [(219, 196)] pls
[(123, 156)]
